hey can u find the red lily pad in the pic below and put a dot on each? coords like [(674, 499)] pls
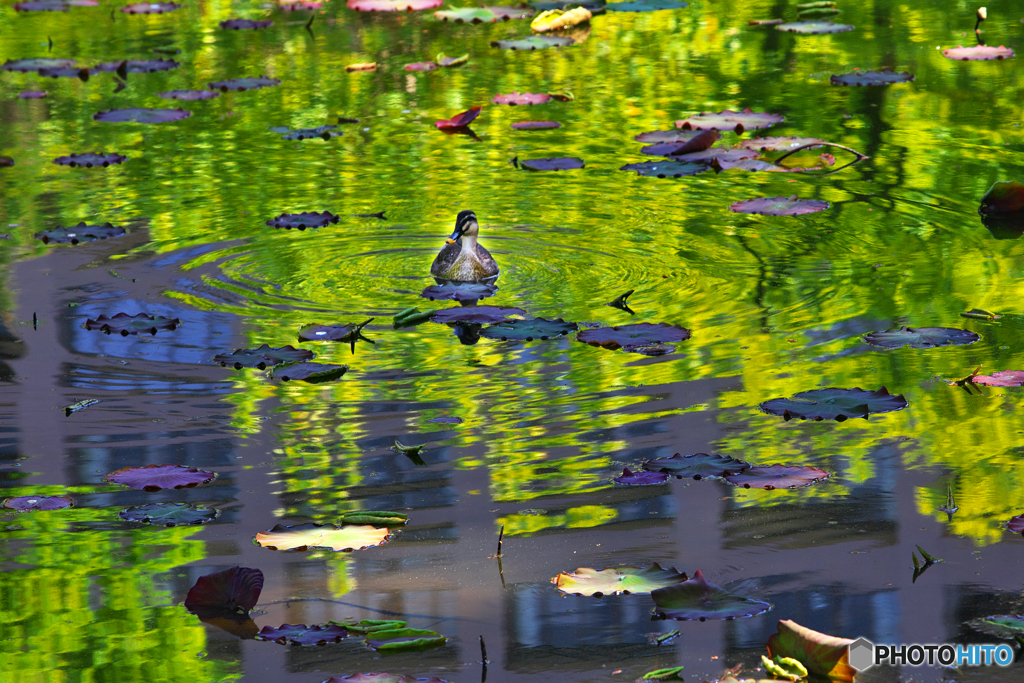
[(188, 95), (139, 66), (625, 580), (528, 330), (697, 599), (475, 314), (460, 120), (1005, 196), (469, 15), (90, 159), (245, 24), (523, 98), (1003, 378), (978, 53), (778, 144), (552, 164), (779, 206), (232, 591), (382, 677), (771, 477), (404, 639), (667, 169), (125, 324), (422, 66), (863, 78), (32, 503), (32, 95), (697, 466), (835, 404), (35, 64), (240, 84), (168, 514), (535, 125), (921, 337), (533, 43), (150, 8), (263, 357), (505, 12), (300, 634), (66, 72), (459, 291), (301, 221), (630, 478), (814, 27), (822, 655), (1016, 524), (645, 338), (393, 5), (80, 233), (156, 477), (141, 115), (314, 373), (738, 121)]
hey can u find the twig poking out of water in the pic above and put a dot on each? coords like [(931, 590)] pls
[(35, 321), (501, 534)]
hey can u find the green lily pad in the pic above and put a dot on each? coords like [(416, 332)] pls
[(834, 404), (1007, 626), (921, 337), (469, 15), (697, 599), (667, 169), (404, 640), (263, 357), (371, 625), (697, 466), (528, 330), (533, 43), (168, 514), (314, 373), (625, 580), (645, 5)]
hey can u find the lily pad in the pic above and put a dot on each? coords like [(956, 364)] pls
[(157, 477), (35, 64), (422, 66), (1016, 524), (778, 144), (475, 314), (1006, 626), (330, 333), (301, 221), (240, 84), (559, 19), (645, 5), (168, 514), (721, 154), (141, 115), (630, 478), (52, 5), (404, 639), (263, 357), (188, 95), (770, 477), (302, 537), (697, 599), (814, 27), (393, 5), (1003, 378), (698, 141), (1005, 196), (469, 15), (80, 233), (459, 291), (150, 8), (822, 655), (667, 169), (300, 634), (505, 12), (231, 591), (245, 24), (528, 330), (978, 53), (921, 337), (523, 99), (626, 580), (532, 43), (382, 677), (552, 164), (738, 121), (365, 626), (535, 125), (66, 72), (125, 324), (779, 206), (697, 466), (138, 66), (863, 78), (674, 136), (460, 120), (835, 404), (645, 338), (33, 503), (314, 373), (89, 160)]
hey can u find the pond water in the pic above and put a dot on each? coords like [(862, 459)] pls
[(776, 306)]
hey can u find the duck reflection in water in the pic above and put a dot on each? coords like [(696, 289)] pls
[(464, 259)]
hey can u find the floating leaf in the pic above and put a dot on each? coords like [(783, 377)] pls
[(778, 144), (630, 478), (667, 169), (834, 404), (168, 514), (52, 5), (314, 373), (535, 125), (1016, 524), (625, 580), (822, 655), (79, 405), (528, 330), (364, 66), (240, 84), (978, 53), (532, 43), (240, 24), (469, 15), (459, 291), (862, 78), (150, 8), (738, 121), (663, 674), (475, 314), (188, 95), (421, 66), (698, 599), (322, 132), (645, 5), (35, 64), (696, 142), (263, 357), (557, 19), (331, 333), (301, 221), (404, 639), (1006, 626), (393, 5), (156, 477), (524, 98), (141, 115), (376, 518), (645, 338), (32, 95), (780, 206), (770, 477), (80, 233), (1005, 196), (322, 536), (300, 634), (696, 466), (370, 625), (720, 154), (124, 324), (921, 337), (33, 503), (552, 164), (1003, 378), (89, 160), (459, 120), (814, 27), (505, 12), (231, 591), (138, 66)]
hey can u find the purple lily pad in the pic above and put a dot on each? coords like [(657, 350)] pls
[(80, 233), (1003, 378), (533, 43), (459, 291), (738, 121), (535, 125), (814, 27), (1016, 524), (141, 115), (231, 591), (630, 478), (53, 5), (778, 144), (35, 64), (156, 477), (125, 324), (447, 420), (89, 160), (240, 84), (382, 677), (475, 314), (422, 66), (552, 164), (150, 8), (528, 330), (862, 78), (169, 514), (835, 404), (188, 95), (80, 73), (521, 98), (696, 466), (697, 599), (314, 373), (139, 66), (645, 338), (32, 503), (263, 357), (300, 634), (921, 337), (240, 24), (675, 136), (301, 221), (779, 206), (393, 5), (667, 169), (32, 95), (978, 53), (715, 153), (771, 477)]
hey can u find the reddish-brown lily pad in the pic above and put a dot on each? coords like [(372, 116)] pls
[(738, 121), (459, 291), (300, 634), (552, 164), (697, 599), (240, 84), (696, 466), (626, 580), (125, 324), (978, 53), (475, 314), (141, 115), (188, 95), (157, 477), (1003, 378), (528, 330), (771, 477), (1005, 196), (814, 27), (301, 221), (460, 120), (32, 95), (1015, 524), (535, 125), (150, 8), (393, 5), (779, 206), (835, 404), (80, 233), (667, 169), (232, 591), (778, 144), (822, 655), (422, 66), (263, 357), (139, 66), (89, 160), (521, 98), (631, 478), (245, 24), (32, 503), (921, 337), (314, 373), (533, 43), (699, 142), (645, 338), (863, 78)]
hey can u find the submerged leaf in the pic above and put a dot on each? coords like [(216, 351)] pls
[(263, 357), (141, 115), (33, 503), (168, 514), (863, 78), (780, 206), (770, 477), (528, 330), (124, 324), (834, 404), (697, 599), (637, 338), (697, 466), (533, 43), (314, 373), (921, 337), (156, 477), (630, 478), (738, 121), (137, 66), (626, 580), (302, 537), (978, 53), (80, 233), (663, 674), (300, 634), (822, 655), (382, 677)]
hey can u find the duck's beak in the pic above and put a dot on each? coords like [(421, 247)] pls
[(456, 234)]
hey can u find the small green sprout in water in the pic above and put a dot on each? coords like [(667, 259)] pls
[(411, 452), (927, 559), (664, 674), (950, 507), (663, 638), (784, 668)]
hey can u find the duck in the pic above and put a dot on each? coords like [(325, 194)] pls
[(462, 258)]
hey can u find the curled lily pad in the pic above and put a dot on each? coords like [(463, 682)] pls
[(393, 5), (528, 330), (921, 337), (240, 84), (697, 599), (168, 514), (80, 233), (138, 66), (630, 478), (822, 655), (245, 24), (862, 78), (263, 357), (382, 677), (814, 27), (314, 373), (141, 115), (738, 121), (835, 404), (1003, 378), (667, 169), (66, 72), (365, 626), (1016, 524), (978, 53), (475, 314), (125, 324), (422, 66), (300, 634), (35, 64), (625, 580), (645, 5), (558, 19), (778, 144), (156, 477), (404, 639), (524, 98), (533, 43), (552, 164), (301, 221), (322, 536), (89, 160), (779, 206), (1006, 626), (469, 15), (188, 95), (322, 132), (771, 477), (32, 95), (459, 120), (32, 503), (637, 338), (231, 591), (697, 466), (535, 125), (150, 8), (459, 291)]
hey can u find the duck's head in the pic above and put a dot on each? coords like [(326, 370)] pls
[(465, 224)]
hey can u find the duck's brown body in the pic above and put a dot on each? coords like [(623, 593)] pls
[(463, 258)]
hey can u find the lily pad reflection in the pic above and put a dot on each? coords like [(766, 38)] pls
[(696, 466)]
